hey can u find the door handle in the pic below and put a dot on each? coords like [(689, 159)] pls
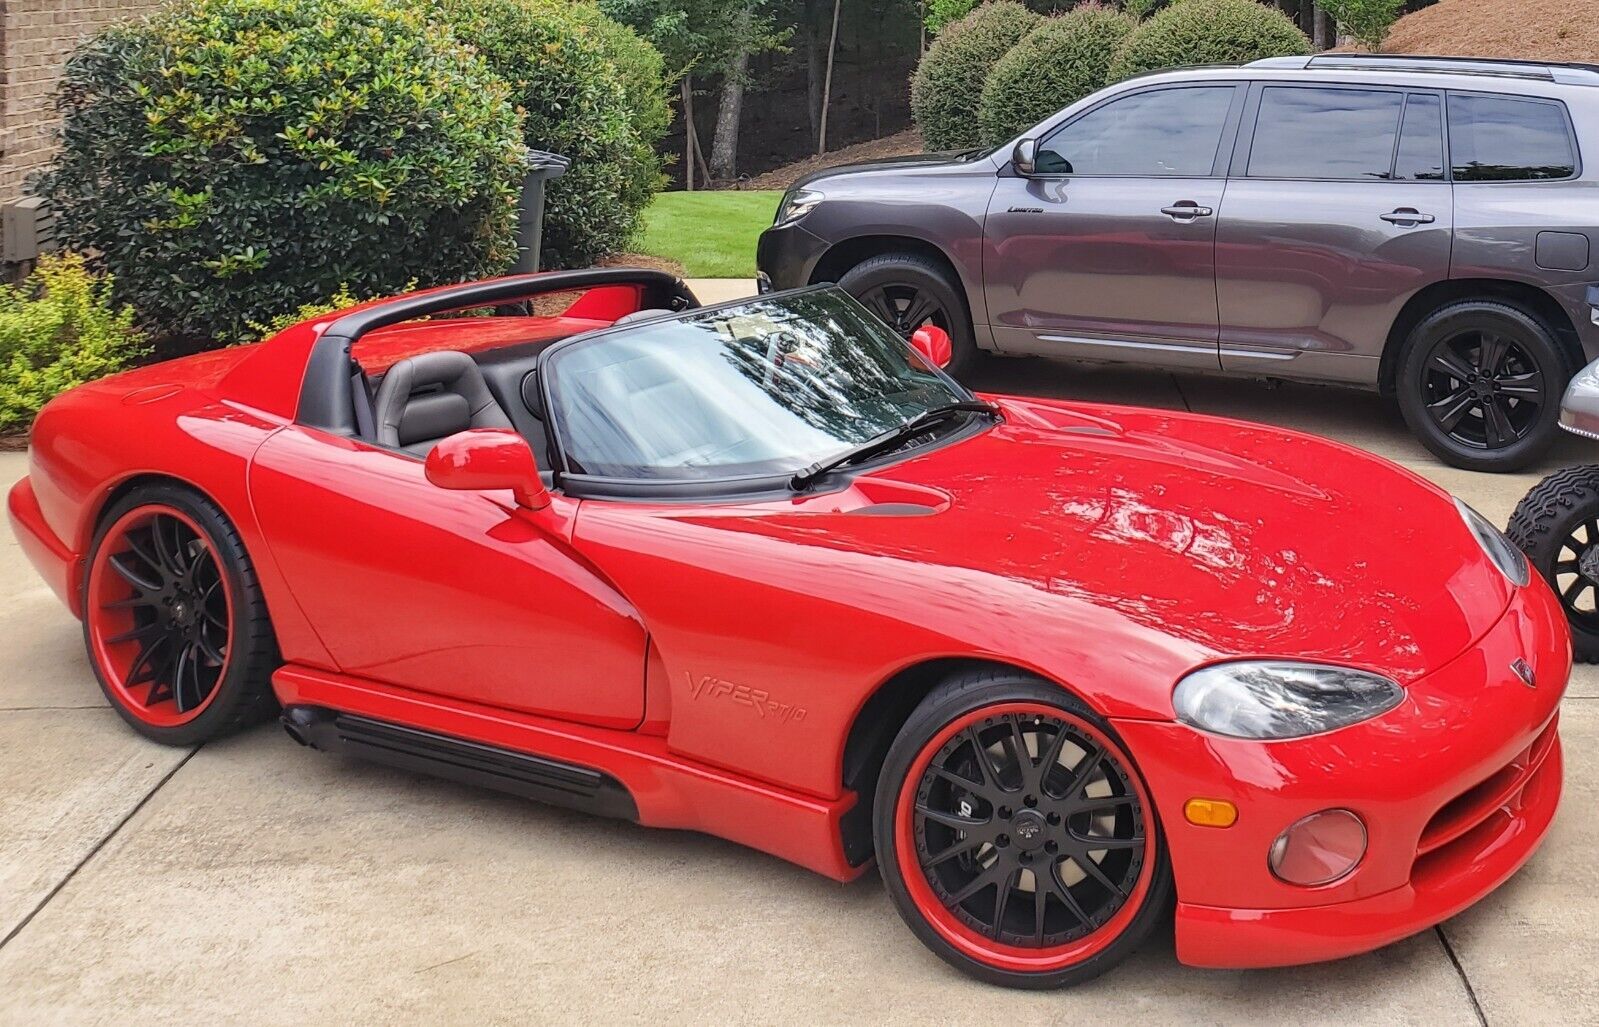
[(1407, 217), (1186, 210)]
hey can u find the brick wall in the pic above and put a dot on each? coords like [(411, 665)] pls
[(35, 38)]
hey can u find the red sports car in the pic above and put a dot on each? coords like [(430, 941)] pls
[(763, 570)]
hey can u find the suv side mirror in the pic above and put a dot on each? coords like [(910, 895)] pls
[(1024, 156), (933, 343), (488, 458)]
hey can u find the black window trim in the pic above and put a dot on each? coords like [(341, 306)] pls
[(736, 488), (1218, 166), (1239, 167), (1556, 102)]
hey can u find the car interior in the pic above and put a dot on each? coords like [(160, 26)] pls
[(417, 401)]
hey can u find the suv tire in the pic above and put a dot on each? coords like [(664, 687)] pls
[(906, 291), (1479, 384)]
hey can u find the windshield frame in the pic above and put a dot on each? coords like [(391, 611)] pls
[(744, 487)]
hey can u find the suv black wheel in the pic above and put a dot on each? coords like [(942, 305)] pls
[(174, 619), (908, 291), (1480, 385), (1016, 836), (1557, 525)]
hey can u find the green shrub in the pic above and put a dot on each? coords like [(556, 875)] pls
[(58, 329), (230, 159), (1058, 63), (1208, 32), (565, 78), (948, 85), (1367, 20), (641, 71), (938, 13)]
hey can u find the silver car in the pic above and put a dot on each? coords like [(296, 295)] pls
[(1426, 227)]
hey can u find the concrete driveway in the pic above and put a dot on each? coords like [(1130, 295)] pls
[(254, 881)]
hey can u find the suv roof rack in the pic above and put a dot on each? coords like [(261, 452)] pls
[(1548, 71)]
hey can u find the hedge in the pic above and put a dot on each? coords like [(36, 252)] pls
[(1056, 64), (1208, 32), (229, 160), (947, 88)]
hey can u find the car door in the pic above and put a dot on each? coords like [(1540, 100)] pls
[(451, 593), (1338, 211), (1107, 251)]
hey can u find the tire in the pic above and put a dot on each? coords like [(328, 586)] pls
[(898, 286), (933, 869), (174, 620), (1480, 383), (1557, 525)]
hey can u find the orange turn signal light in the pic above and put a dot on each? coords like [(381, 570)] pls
[(1210, 812)]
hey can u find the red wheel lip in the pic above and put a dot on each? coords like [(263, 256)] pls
[(101, 625), (968, 942)]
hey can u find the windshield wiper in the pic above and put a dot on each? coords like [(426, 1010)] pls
[(889, 440)]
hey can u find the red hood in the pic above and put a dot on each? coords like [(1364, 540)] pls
[(1236, 539)]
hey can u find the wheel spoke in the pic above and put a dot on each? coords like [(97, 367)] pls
[(953, 821), (1063, 892), (921, 307), (1094, 843), (1522, 386), (1040, 907), (1002, 899), (980, 756), (1449, 362), (1092, 869), (1082, 772), (878, 302), (142, 663), (143, 632), (167, 548), (965, 843), (987, 879), (1497, 424), (133, 577), (1051, 757), (1491, 353), (1448, 411), (210, 649), (183, 672), (1016, 743), (1573, 590)]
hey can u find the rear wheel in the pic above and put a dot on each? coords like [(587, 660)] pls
[(906, 292), (1016, 836), (1480, 384), (174, 620), (1557, 525)]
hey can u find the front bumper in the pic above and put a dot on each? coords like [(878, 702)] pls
[(788, 255), (49, 555), (1457, 787)]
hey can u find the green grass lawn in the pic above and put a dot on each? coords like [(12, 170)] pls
[(712, 234)]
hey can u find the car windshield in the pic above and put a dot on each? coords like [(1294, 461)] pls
[(764, 387)]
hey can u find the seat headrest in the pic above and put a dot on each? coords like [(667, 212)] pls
[(433, 395)]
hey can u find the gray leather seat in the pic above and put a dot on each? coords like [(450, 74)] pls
[(426, 399)]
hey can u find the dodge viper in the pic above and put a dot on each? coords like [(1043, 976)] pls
[(762, 569)]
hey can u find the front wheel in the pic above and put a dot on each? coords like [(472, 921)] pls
[(174, 619), (1015, 835), (907, 291), (1557, 525), (1480, 383)]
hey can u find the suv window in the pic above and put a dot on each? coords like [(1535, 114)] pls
[(1505, 139), (1159, 133), (1421, 140), (1325, 133)]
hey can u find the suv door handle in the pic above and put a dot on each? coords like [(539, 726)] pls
[(1186, 210), (1407, 217)]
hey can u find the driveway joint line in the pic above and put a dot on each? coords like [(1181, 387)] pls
[(1178, 388), (1460, 971), (96, 849), (38, 709)]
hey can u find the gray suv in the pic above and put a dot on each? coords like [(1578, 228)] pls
[(1422, 226)]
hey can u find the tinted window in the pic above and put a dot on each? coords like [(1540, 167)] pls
[(1325, 133), (1160, 133), (1501, 139), (1421, 141)]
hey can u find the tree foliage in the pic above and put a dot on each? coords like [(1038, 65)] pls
[(1056, 64), (947, 88), (1208, 32), (1367, 20)]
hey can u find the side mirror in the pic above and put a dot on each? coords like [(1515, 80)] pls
[(933, 343), (1024, 156), (488, 458)]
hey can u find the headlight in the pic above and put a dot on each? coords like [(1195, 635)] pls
[(1281, 698), (796, 204), (1503, 552)]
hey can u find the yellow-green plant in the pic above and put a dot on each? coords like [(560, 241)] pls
[(59, 329)]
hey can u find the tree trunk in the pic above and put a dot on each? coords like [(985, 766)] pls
[(1319, 28), (688, 132), (813, 77), (724, 151), (827, 83)]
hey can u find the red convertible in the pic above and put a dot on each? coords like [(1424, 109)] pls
[(763, 570)]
